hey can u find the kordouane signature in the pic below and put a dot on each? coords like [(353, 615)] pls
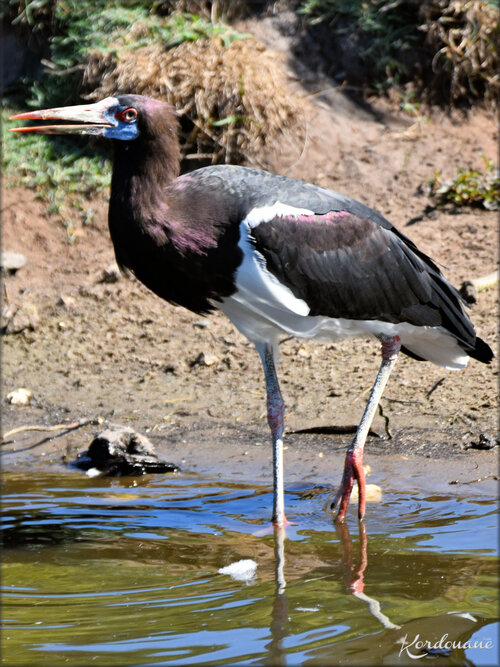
[(443, 646)]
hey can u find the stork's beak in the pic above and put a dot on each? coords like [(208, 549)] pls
[(81, 119)]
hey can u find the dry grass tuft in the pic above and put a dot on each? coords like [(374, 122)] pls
[(234, 101), (464, 35)]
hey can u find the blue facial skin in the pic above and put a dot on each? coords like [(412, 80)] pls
[(126, 130)]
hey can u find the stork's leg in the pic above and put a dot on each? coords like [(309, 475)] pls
[(353, 467), (275, 414)]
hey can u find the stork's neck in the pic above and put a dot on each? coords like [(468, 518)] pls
[(142, 170)]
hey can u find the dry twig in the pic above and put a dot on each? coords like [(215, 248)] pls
[(435, 386), (56, 427)]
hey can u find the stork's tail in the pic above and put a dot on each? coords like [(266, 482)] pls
[(442, 348), (481, 351)]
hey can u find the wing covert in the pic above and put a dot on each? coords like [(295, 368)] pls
[(347, 266)]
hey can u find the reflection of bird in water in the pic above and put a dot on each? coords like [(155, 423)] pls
[(393, 644), (279, 615), (276, 255), (415, 638), (354, 577)]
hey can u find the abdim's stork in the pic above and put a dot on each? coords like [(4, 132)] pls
[(276, 255)]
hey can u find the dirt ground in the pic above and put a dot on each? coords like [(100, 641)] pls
[(98, 348)]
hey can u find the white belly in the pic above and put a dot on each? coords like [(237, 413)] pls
[(261, 322)]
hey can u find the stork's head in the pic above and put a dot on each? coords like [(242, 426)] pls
[(124, 117)]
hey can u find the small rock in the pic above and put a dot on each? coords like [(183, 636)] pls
[(21, 396), (204, 359), (10, 262), (373, 493), (66, 301), (16, 319), (468, 292), (119, 450), (111, 274)]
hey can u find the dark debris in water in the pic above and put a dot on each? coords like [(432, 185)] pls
[(119, 450), (313, 492), (437, 652)]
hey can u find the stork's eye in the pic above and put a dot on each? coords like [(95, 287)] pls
[(127, 115)]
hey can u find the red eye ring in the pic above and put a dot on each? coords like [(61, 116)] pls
[(127, 115)]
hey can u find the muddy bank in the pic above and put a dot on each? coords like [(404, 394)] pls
[(241, 453)]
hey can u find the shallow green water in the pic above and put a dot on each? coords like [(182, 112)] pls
[(125, 572)]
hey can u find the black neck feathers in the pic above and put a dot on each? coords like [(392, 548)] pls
[(144, 167)]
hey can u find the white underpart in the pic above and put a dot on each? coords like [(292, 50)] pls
[(262, 308)]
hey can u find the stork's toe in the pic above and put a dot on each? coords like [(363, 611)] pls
[(353, 470)]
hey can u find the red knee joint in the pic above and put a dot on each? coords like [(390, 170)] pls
[(275, 412), (390, 348)]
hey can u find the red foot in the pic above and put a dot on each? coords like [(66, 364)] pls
[(353, 470)]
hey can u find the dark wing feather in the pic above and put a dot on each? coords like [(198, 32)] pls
[(347, 266)]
